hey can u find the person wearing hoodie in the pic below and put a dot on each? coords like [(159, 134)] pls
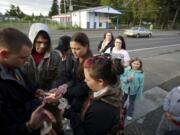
[(42, 66), (100, 114)]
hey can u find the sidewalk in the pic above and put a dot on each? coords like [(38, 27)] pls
[(148, 112), (152, 100)]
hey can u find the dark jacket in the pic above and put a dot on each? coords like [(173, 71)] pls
[(110, 44), (64, 73), (44, 74), (77, 90), (16, 104), (102, 116)]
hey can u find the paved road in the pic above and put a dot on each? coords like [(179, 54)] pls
[(160, 64), (160, 38)]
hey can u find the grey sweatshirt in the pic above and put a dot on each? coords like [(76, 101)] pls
[(172, 103)]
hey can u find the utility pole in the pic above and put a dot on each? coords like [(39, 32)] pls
[(70, 6), (65, 6), (70, 10), (65, 12)]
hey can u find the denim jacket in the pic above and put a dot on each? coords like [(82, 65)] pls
[(136, 86)]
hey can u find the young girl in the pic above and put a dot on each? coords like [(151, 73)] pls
[(100, 115), (132, 83)]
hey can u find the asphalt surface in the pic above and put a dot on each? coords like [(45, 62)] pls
[(148, 124)]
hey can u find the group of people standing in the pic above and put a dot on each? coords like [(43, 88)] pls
[(132, 80), (33, 77)]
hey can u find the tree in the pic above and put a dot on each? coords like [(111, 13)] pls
[(78, 4), (64, 5), (54, 8), (135, 11), (81, 4), (15, 11), (176, 4), (175, 17), (169, 13)]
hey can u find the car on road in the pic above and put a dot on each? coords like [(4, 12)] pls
[(138, 32)]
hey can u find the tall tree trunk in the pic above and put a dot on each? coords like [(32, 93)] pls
[(175, 16)]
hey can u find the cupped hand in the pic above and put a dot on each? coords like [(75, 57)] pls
[(39, 94), (39, 116)]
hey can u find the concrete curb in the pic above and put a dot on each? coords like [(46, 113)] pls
[(152, 100)]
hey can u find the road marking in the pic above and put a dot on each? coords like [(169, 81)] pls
[(144, 49)]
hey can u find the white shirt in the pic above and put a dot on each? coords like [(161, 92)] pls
[(100, 92), (122, 54)]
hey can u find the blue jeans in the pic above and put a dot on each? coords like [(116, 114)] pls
[(130, 109)]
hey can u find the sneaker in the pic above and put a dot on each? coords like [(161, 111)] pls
[(129, 118)]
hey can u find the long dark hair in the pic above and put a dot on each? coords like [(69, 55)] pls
[(123, 46), (117, 63), (112, 37), (83, 40)]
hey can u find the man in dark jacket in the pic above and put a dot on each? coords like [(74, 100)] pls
[(19, 114)]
